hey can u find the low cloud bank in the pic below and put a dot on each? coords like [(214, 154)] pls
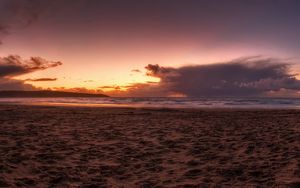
[(250, 76)]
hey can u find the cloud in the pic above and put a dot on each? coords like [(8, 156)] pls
[(14, 65), (136, 71), (78, 90), (150, 89), (250, 76), (158, 71), (115, 87), (145, 90), (12, 84), (41, 80), (15, 15), (244, 77)]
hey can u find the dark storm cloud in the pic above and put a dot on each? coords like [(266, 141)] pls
[(14, 65), (242, 77)]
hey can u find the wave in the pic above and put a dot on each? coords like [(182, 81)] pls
[(162, 102)]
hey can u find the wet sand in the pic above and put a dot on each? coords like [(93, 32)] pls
[(123, 147)]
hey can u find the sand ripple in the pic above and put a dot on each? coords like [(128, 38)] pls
[(106, 147)]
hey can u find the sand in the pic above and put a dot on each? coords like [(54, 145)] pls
[(123, 147)]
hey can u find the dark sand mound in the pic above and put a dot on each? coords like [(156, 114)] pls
[(107, 147)]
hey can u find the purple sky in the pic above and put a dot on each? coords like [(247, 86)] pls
[(100, 42)]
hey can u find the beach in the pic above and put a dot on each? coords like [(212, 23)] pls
[(67, 146)]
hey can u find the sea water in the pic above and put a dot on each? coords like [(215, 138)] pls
[(163, 102)]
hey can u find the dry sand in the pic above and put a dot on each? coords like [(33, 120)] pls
[(118, 147)]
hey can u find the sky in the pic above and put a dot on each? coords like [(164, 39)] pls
[(151, 47)]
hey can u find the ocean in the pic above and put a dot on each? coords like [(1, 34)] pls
[(264, 103)]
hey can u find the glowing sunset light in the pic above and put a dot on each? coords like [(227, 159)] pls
[(100, 42)]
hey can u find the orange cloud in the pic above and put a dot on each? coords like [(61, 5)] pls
[(78, 90), (41, 80)]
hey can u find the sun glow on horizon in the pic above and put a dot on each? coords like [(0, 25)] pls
[(105, 46)]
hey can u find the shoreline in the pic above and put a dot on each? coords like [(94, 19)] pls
[(128, 106)]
